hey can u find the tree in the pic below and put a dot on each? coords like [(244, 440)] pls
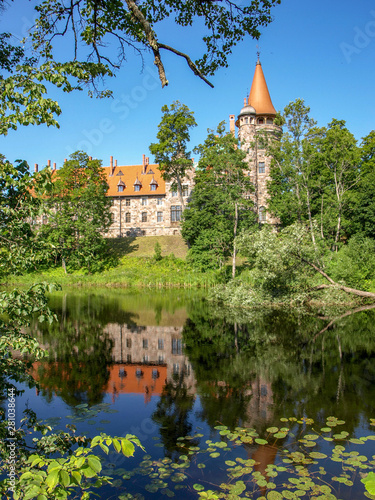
[(293, 184), (136, 25), (94, 26), (78, 213), (171, 150), (220, 204), (339, 155), (360, 213)]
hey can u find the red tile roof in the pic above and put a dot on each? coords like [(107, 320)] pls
[(128, 174)]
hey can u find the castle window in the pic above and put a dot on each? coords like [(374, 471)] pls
[(144, 202), (128, 343), (127, 202), (269, 121), (160, 216), (185, 190), (128, 358), (160, 344), (145, 344), (246, 120), (127, 217), (260, 121), (261, 167), (161, 358), (174, 193), (262, 214), (155, 373), (144, 216), (159, 201), (137, 187), (176, 213)]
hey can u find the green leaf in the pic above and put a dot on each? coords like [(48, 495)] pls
[(369, 482), (52, 479), (127, 447), (95, 464)]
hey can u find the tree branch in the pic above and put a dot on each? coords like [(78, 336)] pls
[(151, 39), (191, 65)]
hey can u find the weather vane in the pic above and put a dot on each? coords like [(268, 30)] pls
[(258, 51)]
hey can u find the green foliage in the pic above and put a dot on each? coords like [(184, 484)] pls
[(20, 248), (171, 150), (135, 24), (360, 214), (354, 264), (157, 252), (220, 204), (314, 174), (78, 212)]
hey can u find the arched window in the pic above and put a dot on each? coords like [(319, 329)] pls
[(260, 121), (269, 121), (262, 214)]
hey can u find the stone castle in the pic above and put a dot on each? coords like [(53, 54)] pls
[(144, 204)]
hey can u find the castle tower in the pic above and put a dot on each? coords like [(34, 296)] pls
[(255, 127)]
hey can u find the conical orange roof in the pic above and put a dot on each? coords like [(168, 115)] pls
[(259, 96)]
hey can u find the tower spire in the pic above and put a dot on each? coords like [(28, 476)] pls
[(259, 96)]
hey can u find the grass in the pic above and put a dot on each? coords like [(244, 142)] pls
[(137, 267), (144, 246)]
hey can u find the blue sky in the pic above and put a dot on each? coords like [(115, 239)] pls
[(321, 51)]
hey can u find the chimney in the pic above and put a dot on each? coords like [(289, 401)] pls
[(54, 166), (143, 164), (115, 163), (36, 168), (111, 169), (244, 101), (49, 163), (232, 125), (90, 158), (147, 160)]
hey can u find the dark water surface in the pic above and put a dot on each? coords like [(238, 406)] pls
[(165, 364)]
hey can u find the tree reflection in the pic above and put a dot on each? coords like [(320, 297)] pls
[(255, 367), (173, 413)]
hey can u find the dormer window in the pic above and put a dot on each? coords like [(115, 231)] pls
[(137, 185), (153, 184), (120, 187)]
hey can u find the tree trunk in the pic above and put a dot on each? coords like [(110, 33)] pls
[(321, 219), (234, 240), (333, 284), (309, 215), (179, 189)]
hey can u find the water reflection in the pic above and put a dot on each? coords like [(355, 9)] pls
[(247, 369)]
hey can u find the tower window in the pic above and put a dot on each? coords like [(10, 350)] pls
[(260, 121), (246, 120), (261, 167), (269, 121)]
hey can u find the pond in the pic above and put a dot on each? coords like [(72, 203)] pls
[(187, 377)]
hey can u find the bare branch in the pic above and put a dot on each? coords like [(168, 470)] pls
[(191, 65)]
